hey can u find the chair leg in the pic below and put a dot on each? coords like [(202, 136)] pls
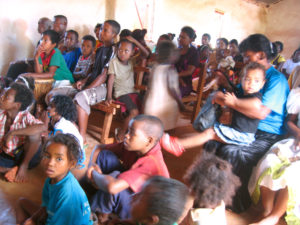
[(106, 128)]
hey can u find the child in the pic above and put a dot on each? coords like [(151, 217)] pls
[(163, 94), (290, 64), (242, 130), (160, 201), (93, 87), (97, 31), (49, 62), (19, 143), (278, 60), (121, 170), (86, 60), (63, 200), (212, 184), (63, 116), (72, 51), (121, 80)]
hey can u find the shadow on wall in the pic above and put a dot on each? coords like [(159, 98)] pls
[(14, 42)]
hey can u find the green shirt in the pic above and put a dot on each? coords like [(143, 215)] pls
[(62, 72)]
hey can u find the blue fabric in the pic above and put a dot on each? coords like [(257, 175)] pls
[(105, 202), (71, 58), (231, 136), (66, 202), (275, 93)]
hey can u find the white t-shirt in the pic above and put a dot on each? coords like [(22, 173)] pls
[(293, 103), (289, 66)]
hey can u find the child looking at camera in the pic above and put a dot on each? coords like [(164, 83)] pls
[(63, 200)]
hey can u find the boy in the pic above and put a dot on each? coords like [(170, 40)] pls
[(93, 87), (60, 24), (72, 51), (121, 80), (49, 62), (97, 30), (86, 60), (18, 141), (122, 170)]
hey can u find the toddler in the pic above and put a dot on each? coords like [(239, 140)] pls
[(63, 200), (212, 184)]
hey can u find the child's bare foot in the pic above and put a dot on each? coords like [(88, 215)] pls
[(22, 175), (11, 174)]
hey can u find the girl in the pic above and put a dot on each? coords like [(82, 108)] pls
[(163, 95), (63, 116), (188, 60), (63, 200), (212, 184)]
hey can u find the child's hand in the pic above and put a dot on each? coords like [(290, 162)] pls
[(79, 85), (38, 52), (108, 101), (229, 99), (89, 173), (131, 39)]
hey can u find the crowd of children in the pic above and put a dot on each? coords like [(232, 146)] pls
[(130, 179)]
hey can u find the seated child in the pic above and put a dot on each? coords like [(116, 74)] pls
[(63, 116), (163, 94), (19, 143), (63, 200), (72, 51), (121, 81), (86, 60), (49, 62), (97, 30), (292, 63), (160, 201), (121, 170), (212, 184), (242, 129)]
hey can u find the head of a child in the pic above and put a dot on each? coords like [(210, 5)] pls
[(163, 37), (139, 35), (296, 56), (60, 154), (279, 46), (125, 50), (222, 43), (144, 132), (257, 48), (60, 24), (205, 39), (28, 81), (166, 52), (97, 30), (187, 36), (62, 106), (49, 41), (125, 33), (71, 39), (233, 47), (253, 78), (161, 201), (109, 32), (16, 98), (211, 181), (44, 24), (88, 44)]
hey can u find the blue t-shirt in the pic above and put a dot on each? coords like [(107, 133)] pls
[(71, 58), (274, 96), (66, 202)]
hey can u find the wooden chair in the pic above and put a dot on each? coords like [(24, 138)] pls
[(112, 112)]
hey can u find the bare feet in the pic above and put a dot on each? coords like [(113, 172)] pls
[(17, 174), (22, 175), (11, 174)]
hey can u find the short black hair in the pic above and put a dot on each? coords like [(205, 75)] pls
[(90, 38), (139, 34), (54, 36), (166, 198), (5, 81), (23, 95), (253, 66), (125, 33), (280, 44), (224, 40), (234, 42), (211, 181), (28, 81), (70, 141), (126, 41), (74, 32), (164, 51), (98, 25), (65, 107), (115, 25), (258, 43), (207, 35), (190, 32), (152, 126), (61, 17)]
